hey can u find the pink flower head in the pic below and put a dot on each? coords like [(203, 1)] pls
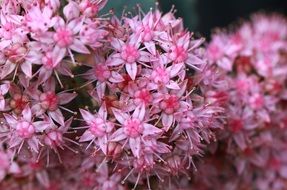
[(129, 55), (133, 129), (99, 129), (23, 129)]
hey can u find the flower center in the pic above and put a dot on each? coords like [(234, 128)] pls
[(102, 72), (256, 101), (160, 75), (98, 127), (170, 104), (18, 103), (25, 129), (178, 54), (235, 125), (133, 128), (63, 37), (130, 53), (143, 97), (49, 101)]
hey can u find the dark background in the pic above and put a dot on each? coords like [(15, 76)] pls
[(202, 16)]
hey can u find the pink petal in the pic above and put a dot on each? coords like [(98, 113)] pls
[(88, 117), (2, 103), (174, 69), (64, 128), (118, 135), (42, 125), (116, 77), (117, 44), (173, 85), (79, 47), (151, 130), (27, 114), (14, 168), (120, 115), (144, 56), (167, 121), (75, 25), (240, 141), (34, 144), (27, 69), (37, 110), (50, 85), (193, 60), (7, 69), (182, 90), (57, 116), (58, 55), (87, 136), (103, 111), (115, 61), (103, 142), (101, 88), (71, 10), (131, 70), (139, 113), (135, 145), (150, 46), (10, 120), (4, 88), (44, 74), (65, 98), (225, 64)]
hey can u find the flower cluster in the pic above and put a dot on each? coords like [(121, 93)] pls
[(251, 85), (106, 102), (150, 119)]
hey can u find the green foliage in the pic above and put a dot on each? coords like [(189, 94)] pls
[(119, 5)]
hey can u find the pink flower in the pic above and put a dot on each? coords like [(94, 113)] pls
[(99, 129), (50, 102), (39, 20), (133, 129), (23, 129), (128, 54)]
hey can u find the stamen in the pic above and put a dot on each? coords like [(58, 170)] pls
[(138, 178), (58, 78), (130, 172)]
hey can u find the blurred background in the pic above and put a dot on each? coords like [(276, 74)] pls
[(202, 16)]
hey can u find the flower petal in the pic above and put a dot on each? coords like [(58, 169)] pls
[(132, 70), (65, 98), (167, 121), (79, 47), (87, 116), (151, 130), (135, 145), (57, 116), (120, 115), (118, 135), (27, 114), (87, 136), (139, 113)]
